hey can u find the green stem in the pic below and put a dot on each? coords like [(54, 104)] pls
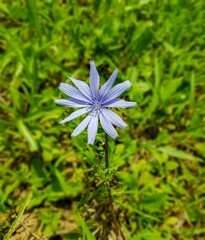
[(117, 229), (106, 153)]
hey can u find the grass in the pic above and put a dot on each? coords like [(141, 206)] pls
[(53, 186)]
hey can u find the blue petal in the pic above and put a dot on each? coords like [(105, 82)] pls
[(81, 126), (82, 86), (108, 85), (94, 80), (107, 126), (71, 102), (75, 114), (119, 103), (72, 91), (92, 129), (116, 91), (114, 118)]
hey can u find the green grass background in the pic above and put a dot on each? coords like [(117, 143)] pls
[(157, 162)]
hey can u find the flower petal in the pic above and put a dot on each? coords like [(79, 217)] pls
[(108, 85), (81, 126), (107, 126), (71, 102), (114, 118), (116, 91), (119, 103), (92, 129), (94, 80), (75, 114), (72, 91), (82, 86)]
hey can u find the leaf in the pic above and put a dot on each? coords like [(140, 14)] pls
[(39, 174), (153, 202), (32, 14), (16, 98), (146, 234), (86, 231), (169, 88), (18, 217), (142, 87), (60, 187), (27, 135), (178, 153), (171, 165), (192, 90)]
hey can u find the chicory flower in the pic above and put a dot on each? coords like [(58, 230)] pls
[(95, 102)]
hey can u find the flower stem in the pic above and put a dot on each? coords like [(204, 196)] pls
[(117, 229), (106, 153)]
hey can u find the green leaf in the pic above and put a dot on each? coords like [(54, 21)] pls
[(27, 135), (18, 217), (171, 165), (174, 152), (86, 231)]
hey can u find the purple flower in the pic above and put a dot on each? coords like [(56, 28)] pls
[(95, 102)]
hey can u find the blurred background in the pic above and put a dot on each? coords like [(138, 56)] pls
[(52, 185)]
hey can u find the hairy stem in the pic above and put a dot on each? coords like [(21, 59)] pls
[(117, 229), (106, 153)]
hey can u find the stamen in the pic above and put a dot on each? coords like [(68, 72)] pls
[(95, 107)]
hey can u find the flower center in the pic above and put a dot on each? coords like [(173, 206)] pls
[(96, 104), (95, 107)]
